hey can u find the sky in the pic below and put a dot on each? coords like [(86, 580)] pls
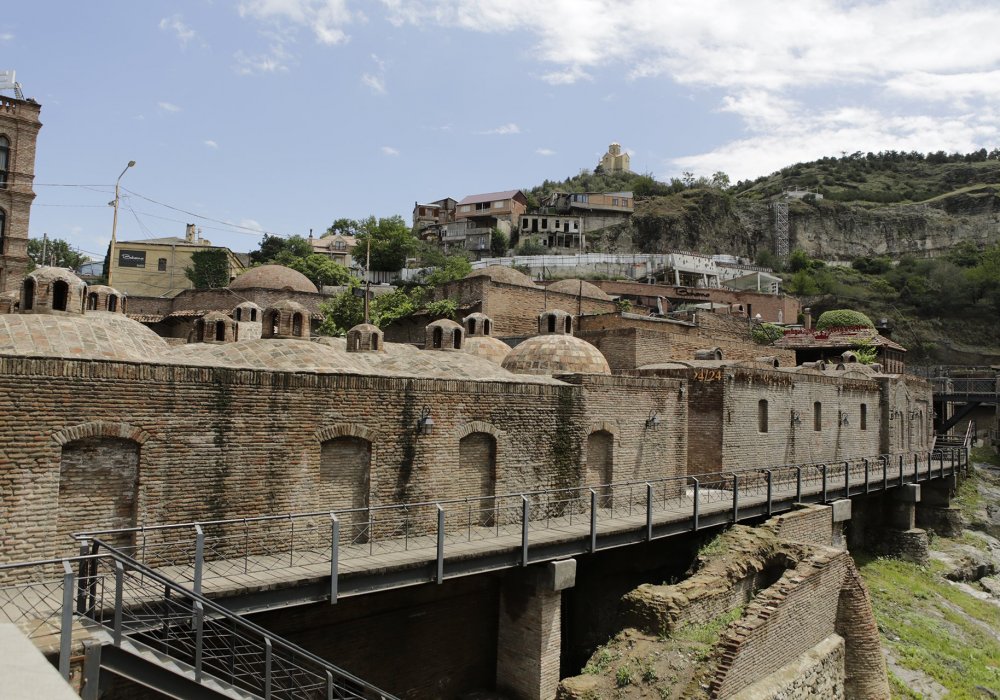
[(246, 116)]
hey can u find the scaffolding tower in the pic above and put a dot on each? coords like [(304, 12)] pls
[(780, 208)]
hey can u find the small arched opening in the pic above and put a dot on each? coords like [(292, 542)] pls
[(60, 295), (239, 315), (220, 331), (253, 314), (762, 416), (569, 325), (112, 302), (297, 325), (457, 339), (486, 327), (552, 324), (438, 338), (28, 303), (92, 301), (275, 322)]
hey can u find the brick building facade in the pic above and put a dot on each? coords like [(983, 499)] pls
[(19, 126)]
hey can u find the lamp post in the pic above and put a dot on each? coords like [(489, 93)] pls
[(114, 222)]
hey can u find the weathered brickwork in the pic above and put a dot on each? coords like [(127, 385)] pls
[(19, 124), (223, 442), (807, 524), (528, 642), (818, 673), (97, 484)]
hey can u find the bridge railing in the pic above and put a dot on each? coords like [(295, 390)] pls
[(236, 553), (147, 612), (968, 386)]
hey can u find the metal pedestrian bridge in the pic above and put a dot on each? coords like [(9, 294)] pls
[(164, 604)]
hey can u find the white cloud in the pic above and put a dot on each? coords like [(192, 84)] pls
[(545, 152), (6, 36), (502, 130), (251, 224), (275, 60), (168, 107), (375, 81), (389, 151), (211, 144), (176, 25), (326, 18)]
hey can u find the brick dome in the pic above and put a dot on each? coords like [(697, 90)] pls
[(506, 275), (579, 287), (98, 335), (273, 277), (487, 347), (556, 353)]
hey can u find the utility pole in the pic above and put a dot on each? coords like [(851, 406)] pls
[(114, 222), (368, 270), (45, 246)]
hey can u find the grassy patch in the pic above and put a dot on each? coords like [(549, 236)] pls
[(934, 627), (985, 455)]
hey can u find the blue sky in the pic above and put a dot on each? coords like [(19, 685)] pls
[(283, 115)]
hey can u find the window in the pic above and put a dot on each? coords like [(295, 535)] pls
[(297, 325), (436, 342), (239, 315), (161, 265), (864, 416), (92, 301), (552, 324), (457, 339), (486, 327), (374, 341), (275, 323), (4, 161), (466, 208), (569, 324), (253, 314), (220, 330), (817, 416), (339, 245), (112, 302), (762, 416), (3, 229), (545, 223)]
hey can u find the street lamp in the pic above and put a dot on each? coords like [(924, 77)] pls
[(114, 222)]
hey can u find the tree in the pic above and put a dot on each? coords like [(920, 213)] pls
[(343, 311), (57, 253), (391, 242), (209, 269), (454, 268), (344, 227), (321, 270), (271, 247), (719, 180), (530, 248), (498, 243)]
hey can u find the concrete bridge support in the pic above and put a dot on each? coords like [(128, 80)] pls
[(529, 638), (901, 537), (935, 512)]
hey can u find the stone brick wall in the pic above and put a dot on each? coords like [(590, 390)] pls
[(529, 641), (631, 341), (818, 673), (808, 524), (20, 125), (216, 443)]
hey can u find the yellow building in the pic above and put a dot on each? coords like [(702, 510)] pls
[(616, 160), (155, 267)]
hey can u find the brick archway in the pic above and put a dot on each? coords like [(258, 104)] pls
[(101, 429)]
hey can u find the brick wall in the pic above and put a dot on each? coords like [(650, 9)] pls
[(97, 485), (767, 305), (216, 443), (528, 644), (808, 524), (818, 673), (20, 125)]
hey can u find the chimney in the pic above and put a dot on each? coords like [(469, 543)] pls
[(807, 318), (189, 233)]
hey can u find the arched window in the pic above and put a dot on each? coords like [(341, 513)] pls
[(438, 338), (112, 302), (374, 341), (456, 339), (220, 330), (817, 416), (486, 327), (124, 304), (4, 161), (29, 295), (3, 229), (275, 318), (569, 324), (864, 416), (239, 315), (297, 325), (92, 301), (552, 324), (60, 295), (762, 416), (253, 314), (472, 327), (200, 327)]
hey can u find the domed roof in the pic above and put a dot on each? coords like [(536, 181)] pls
[(506, 275), (492, 349), (579, 287), (365, 328), (213, 316), (287, 354), (289, 306), (51, 274), (103, 289), (99, 335), (556, 354), (273, 277), (445, 323)]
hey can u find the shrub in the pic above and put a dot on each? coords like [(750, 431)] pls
[(841, 318), (766, 333)]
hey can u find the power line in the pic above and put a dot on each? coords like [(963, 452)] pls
[(206, 218)]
